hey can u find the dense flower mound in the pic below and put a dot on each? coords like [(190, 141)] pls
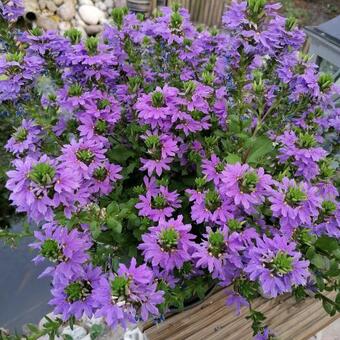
[(162, 159)]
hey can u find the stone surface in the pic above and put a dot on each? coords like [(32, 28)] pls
[(109, 3), (90, 15), (64, 26), (67, 10), (101, 5), (85, 2), (332, 332), (51, 6), (120, 3), (42, 4), (77, 333), (46, 23), (93, 29), (58, 2)]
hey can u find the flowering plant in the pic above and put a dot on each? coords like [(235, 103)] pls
[(160, 159)]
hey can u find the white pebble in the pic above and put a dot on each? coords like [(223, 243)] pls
[(90, 14), (93, 29), (101, 6), (108, 3), (67, 10), (77, 333), (85, 2)]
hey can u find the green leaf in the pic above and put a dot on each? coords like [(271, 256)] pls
[(320, 283), (96, 331), (132, 251), (329, 308), (114, 225), (320, 262), (112, 208), (233, 158), (310, 253), (33, 328), (327, 244), (333, 269), (67, 337), (119, 154), (95, 229), (259, 148)]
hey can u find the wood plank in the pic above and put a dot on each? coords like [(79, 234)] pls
[(212, 320)]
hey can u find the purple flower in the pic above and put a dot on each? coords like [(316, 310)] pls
[(294, 203), (158, 203), (303, 152), (236, 300), (157, 107), (67, 250), (83, 156), (162, 148), (124, 295), (246, 186), (210, 207), (25, 138), (328, 221), (217, 250), (73, 296), (276, 265), (39, 186), (213, 168), (168, 245), (103, 177), (235, 16), (12, 10), (158, 166), (265, 334)]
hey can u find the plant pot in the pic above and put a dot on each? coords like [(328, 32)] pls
[(139, 6), (212, 320)]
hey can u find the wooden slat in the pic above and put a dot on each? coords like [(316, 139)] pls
[(212, 320), (208, 12)]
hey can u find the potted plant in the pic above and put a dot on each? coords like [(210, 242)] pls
[(164, 160)]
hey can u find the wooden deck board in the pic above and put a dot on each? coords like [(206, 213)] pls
[(212, 320)]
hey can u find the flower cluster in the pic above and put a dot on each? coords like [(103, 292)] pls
[(197, 156)]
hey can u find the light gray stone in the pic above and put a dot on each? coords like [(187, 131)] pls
[(104, 20), (77, 333), (102, 6), (85, 2), (46, 23), (87, 337), (67, 10), (51, 6), (42, 4), (93, 29), (64, 26), (79, 21), (120, 3), (90, 14), (109, 3)]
